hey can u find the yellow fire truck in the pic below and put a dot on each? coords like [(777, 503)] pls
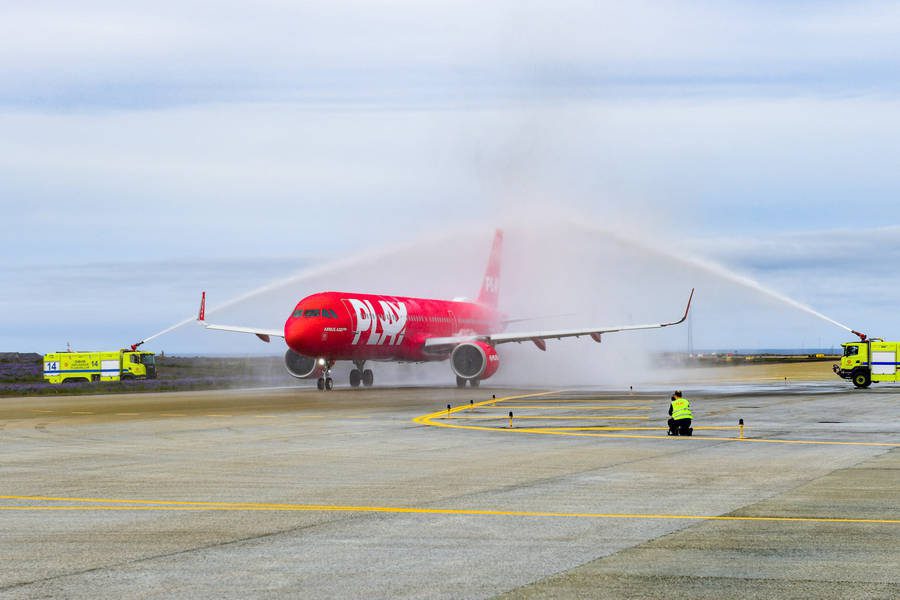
[(60, 367), (869, 361)]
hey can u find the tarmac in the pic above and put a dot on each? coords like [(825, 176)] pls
[(384, 493)]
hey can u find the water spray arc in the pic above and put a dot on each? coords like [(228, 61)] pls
[(728, 275), (370, 257)]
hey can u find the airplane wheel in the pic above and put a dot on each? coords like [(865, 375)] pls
[(320, 383), (460, 382), (474, 382), (368, 378), (329, 383), (355, 378)]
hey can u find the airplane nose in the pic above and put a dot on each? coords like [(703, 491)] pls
[(295, 334)]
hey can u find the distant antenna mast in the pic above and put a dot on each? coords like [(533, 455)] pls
[(690, 329), (68, 346)]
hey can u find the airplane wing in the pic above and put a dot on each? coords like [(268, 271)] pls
[(444, 344), (265, 335)]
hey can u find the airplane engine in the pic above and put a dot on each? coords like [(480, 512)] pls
[(303, 367), (474, 360)]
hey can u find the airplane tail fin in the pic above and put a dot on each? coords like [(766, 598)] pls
[(490, 286)]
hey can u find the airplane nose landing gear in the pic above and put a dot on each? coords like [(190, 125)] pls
[(326, 383)]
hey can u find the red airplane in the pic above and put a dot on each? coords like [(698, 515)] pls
[(330, 326)]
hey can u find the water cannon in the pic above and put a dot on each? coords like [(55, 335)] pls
[(862, 337), (134, 347)]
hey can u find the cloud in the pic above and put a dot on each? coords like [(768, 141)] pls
[(140, 54), (863, 252)]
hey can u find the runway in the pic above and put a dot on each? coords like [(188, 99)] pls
[(384, 493)]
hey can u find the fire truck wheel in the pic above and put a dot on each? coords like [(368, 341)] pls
[(320, 383), (329, 383), (355, 378), (368, 378), (861, 379)]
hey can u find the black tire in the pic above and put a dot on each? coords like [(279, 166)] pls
[(474, 382), (460, 382), (862, 379), (355, 378), (320, 383), (127, 377), (329, 383), (368, 378)]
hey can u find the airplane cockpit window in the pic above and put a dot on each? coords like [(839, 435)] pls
[(297, 314), (311, 312), (329, 314)]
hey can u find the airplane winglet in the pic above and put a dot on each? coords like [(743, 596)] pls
[(688, 307), (202, 316)]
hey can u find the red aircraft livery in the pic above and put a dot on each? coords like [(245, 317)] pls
[(332, 326)]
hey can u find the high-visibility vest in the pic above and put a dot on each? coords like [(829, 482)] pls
[(681, 409)]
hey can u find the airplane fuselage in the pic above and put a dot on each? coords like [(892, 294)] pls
[(359, 327)]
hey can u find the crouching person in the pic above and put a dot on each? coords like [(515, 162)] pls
[(680, 415)]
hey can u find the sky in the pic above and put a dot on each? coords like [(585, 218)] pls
[(152, 149)]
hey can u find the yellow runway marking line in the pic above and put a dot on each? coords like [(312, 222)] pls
[(217, 415), (546, 431), (432, 419), (127, 414), (110, 504), (464, 417), (564, 407), (172, 415), (550, 429), (82, 412), (266, 416), (626, 400), (38, 410)]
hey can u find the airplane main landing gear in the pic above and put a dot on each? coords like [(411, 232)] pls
[(359, 375)]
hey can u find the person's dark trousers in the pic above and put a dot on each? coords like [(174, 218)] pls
[(679, 427)]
